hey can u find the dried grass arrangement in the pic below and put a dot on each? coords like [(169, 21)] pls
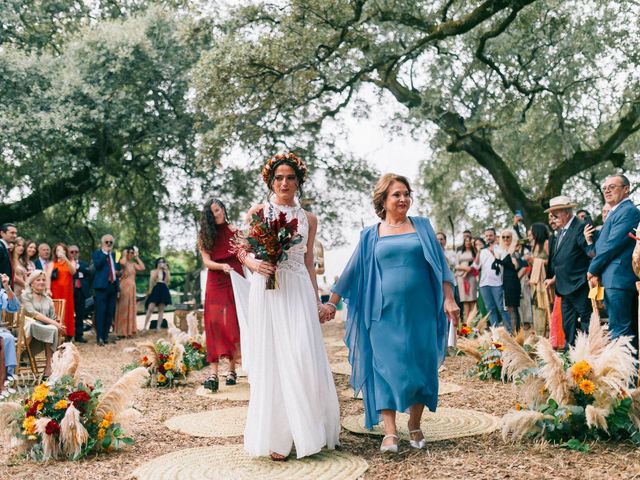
[(65, 418), (575, 397), (488, 350)]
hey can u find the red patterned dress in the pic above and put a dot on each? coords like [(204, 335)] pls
[(220, 318)]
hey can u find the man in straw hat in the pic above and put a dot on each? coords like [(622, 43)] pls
[(568, 264), (612, 263)]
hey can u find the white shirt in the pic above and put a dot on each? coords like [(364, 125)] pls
[(563, 231), (488, 276), (618, 204), (111, 262), (44, 263)]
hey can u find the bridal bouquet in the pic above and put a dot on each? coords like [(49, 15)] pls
[(269, 239), (68, 418)]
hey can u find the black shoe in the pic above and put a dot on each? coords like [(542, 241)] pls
[(211, 383), (80, 340), (232, 378), (100, 343)]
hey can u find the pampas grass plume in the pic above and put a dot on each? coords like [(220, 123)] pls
[(65, 362), (117, 398), (73, 435), (555, 380), (516, 424)]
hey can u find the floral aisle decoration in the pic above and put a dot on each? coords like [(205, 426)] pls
[(570, 399), (168, 362), (475, 325), (487, 349), (269, 238), (69, 418)]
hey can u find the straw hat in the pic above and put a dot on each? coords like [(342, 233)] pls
[(561, 202)]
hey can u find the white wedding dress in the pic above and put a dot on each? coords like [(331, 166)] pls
[(293, 397)]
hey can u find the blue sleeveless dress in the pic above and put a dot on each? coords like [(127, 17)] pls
[(405, 357)]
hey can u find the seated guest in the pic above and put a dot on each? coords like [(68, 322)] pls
[(10, 303), (611, 265), (42, 329), (44, 252)]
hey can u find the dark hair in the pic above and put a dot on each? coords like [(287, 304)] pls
[(490, 229), (160, 259), (5, 226), (381, 190), (442, 233), (481, 240), (462, 248), (540, 234), (582, 210), (467, 231), (300, 175), (624, 178), (54, 255), (207, 233)]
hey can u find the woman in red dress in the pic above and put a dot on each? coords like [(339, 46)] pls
[(60, 272), (220, 319)]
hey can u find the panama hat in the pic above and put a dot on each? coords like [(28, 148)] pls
[(561, 202)]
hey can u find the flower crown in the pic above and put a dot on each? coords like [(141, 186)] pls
[(279, 158)]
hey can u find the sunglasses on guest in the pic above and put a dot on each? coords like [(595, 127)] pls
[(108, 242), (505, 237)]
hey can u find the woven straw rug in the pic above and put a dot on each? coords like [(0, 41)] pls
[(230, 462), (238, 392), (444, 389), (225, 422), (444, 424)]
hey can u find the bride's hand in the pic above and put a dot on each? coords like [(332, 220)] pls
[(263, 268)]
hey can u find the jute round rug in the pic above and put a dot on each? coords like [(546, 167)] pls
[(444, 424), (223, 462), (444, 389), (226, 422), (238, 392), (334, 343)]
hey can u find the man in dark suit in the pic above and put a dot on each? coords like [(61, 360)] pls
[(8, 234), (105, 284), (611, 266), (44, 257), (569, 261), (81, 291)]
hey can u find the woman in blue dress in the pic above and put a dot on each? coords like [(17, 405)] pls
[(399, 293)]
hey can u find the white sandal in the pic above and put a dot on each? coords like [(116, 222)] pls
[(393, 448), (419, 444)]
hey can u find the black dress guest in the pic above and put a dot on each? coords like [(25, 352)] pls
[(568, 265)]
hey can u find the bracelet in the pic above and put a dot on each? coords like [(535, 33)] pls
[(335, 307)]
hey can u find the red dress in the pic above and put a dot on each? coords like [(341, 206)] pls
[(62, 287), (220, 318)]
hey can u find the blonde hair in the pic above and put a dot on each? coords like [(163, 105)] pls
[(381, 191), (511, 248)]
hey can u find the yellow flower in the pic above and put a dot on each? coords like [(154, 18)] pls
[(184, 368), (40, 393), (161, 378), (518, 406), (587, 387), (580, 369), (491, 365), (40, 406), (168, 366), (29, 425), (108, 416), (61, 405), (101, 433)]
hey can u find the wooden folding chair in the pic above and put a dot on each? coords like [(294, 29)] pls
[(14, 322), (39, 361)]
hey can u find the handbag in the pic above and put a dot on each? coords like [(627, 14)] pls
[(54, 274)]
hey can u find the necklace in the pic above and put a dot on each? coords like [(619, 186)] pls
[(398, 225)]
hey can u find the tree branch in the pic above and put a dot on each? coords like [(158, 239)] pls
[(47, 195)]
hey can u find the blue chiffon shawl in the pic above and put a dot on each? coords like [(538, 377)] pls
[(360, 287)]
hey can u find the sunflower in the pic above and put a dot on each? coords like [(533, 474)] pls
[(587, 387)]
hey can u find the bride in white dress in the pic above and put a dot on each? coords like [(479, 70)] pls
[(293, 397)]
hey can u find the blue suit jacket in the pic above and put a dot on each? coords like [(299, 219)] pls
[(101, 266), (612, 262)]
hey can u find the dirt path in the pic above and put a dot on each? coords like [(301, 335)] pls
[(484, 457)]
